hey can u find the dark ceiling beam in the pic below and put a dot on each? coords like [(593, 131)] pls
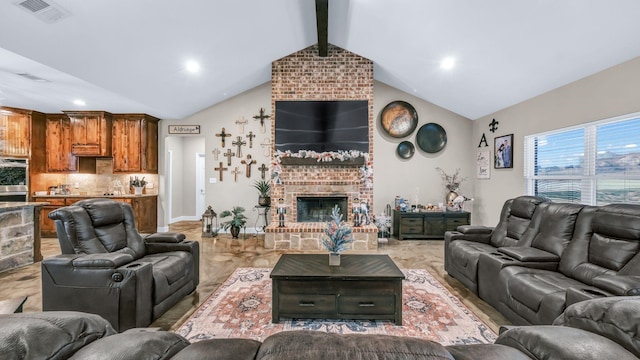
[(322, 22)]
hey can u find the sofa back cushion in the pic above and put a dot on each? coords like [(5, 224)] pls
[(606, 241), (552, 226), (515, 218), (95, 226)]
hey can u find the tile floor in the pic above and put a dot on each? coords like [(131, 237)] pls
[(221, 255)]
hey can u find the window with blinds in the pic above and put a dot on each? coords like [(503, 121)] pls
[(595, 164)]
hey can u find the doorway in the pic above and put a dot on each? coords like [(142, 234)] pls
[(200, 184)]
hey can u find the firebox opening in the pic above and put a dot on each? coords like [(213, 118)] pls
[(318, 209)]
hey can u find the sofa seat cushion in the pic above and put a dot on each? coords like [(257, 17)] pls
[(171, 271), (562, 343), (49, 335), (464, 257), (317, 345), (542, 292), (485, 352)]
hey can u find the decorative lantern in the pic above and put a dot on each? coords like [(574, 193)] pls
[(208, 227), (282, 210), (357, 212)]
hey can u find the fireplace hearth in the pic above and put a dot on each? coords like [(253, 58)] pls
[(318, 209)]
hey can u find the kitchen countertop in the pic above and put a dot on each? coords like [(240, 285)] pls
[(92, 196), (10, 205)]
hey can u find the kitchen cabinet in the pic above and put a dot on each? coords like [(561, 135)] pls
[(427, 225), (135, 143), (90, 133), (15, 132), (145, 211), (58, 144)]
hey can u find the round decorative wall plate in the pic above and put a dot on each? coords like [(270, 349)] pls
[(399, 119), (431, 138), (406, 149)]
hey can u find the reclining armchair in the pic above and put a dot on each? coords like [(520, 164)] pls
[(108, 268)]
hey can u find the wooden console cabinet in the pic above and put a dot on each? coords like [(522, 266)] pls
[(427, 225)]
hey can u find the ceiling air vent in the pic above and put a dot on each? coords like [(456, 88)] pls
[(46, 11)]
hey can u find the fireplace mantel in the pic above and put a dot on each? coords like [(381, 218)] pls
[(296, 161)]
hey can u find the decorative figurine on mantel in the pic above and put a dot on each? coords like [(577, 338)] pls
[(338, 236), (282, 210), (357, 213)]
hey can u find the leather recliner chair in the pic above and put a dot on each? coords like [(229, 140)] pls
[(108, 268)]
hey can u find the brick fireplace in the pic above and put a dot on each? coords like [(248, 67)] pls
[(304, 75)]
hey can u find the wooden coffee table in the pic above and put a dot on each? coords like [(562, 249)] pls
[(362, 287)]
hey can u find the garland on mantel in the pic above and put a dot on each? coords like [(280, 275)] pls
[(366, 171)]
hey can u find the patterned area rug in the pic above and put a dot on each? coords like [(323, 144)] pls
[(241, 308)]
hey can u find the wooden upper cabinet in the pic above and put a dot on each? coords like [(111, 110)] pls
[(135, 143), (15, 132), (58, 144), (90, 133)]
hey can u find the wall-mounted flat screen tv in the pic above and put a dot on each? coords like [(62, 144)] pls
[(322, 125)]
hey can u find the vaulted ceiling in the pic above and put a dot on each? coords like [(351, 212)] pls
[(129, 55)]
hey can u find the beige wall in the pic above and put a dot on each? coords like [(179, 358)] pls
[(392, 175), (604, 95)]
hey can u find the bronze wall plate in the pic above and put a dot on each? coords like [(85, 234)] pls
[(406, 149), (399, 119), (431, 138)]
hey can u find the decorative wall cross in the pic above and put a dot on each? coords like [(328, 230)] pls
[(228, 155), (262, 117), (241, 123), (220, 170), (250, 136), (223, 135), (266, 144), (215, 152), (235, 173), (239, 144), (263, 171), (248, 164)]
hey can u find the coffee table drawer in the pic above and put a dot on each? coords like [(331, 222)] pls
[(366, 305), (307, 304)]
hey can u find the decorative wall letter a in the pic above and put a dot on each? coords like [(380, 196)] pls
[(483, 139)]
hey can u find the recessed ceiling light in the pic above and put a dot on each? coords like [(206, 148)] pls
[(79, 102), (192, 66), (448, 63)]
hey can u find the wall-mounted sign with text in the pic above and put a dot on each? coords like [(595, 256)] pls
[(184, 129)]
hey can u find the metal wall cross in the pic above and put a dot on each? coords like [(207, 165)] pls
[(262, 117), (239, 144), (223, 135), (220, 170), (241, 123), (248, 164), (263, 171), (228, 155), (250, 136)]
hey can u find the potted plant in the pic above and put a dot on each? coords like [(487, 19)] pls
[(137, 184), (238, 220), (338, 236), (264, 188)]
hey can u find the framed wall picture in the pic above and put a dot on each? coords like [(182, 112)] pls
[(503, 152)]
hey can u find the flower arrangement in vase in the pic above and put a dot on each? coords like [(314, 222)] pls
[(137, 184), (338, 236)]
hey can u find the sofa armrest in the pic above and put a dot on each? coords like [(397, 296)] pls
[(102, 260), (618, 284), (159, 247), (529, 254), (481, 234), (164, 237)]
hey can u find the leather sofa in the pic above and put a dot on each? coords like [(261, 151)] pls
[(605, 328), (108, 268), (568, 253)]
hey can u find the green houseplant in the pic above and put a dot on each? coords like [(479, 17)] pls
[(237, 221), (264, 189)]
